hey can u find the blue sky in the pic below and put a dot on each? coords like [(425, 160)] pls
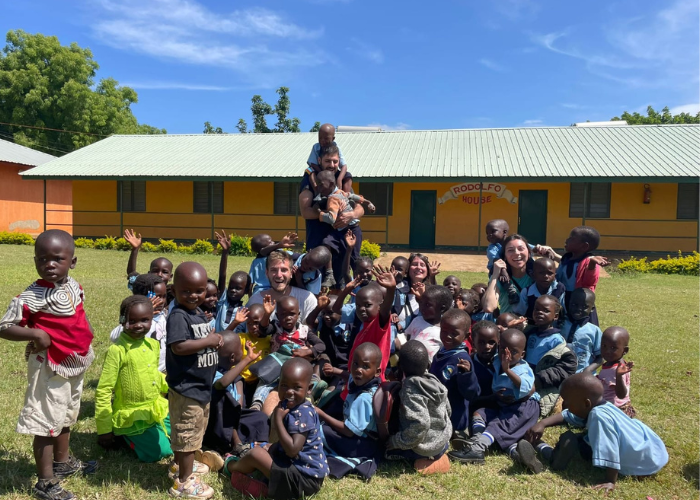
[(400, 65)]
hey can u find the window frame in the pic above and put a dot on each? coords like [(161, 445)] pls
[(692, 197), (379, 201), (585, 212), (214, 203), (131, 204), (292, 198)]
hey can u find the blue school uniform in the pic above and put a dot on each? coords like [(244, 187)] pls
[(484, 375), (540, 343), (482, 316), (258, 278), (529, 295), (620, 442), (493, 252), (338, 340), (311, 460), (584, 339), (311, 279), (462, 387), (502, 381), (225, 313)]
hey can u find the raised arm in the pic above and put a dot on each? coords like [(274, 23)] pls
[(349, 287), (225, 243), (287, 241), (135, 242), (239, 368), (350, 241), (490, 301), (385, 278)]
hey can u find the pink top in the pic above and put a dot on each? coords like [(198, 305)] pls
[(608, 375), (425, 333)]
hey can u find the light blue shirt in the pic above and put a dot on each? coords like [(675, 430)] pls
[(532, 291), (258, 278), (620, 442), (222, 307), (493, 252), (231, 387), (538, 346), (359, 413), (315, 156), (585, 344), (502, 381), (312, 279)]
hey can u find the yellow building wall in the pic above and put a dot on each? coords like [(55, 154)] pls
[(249, 210)]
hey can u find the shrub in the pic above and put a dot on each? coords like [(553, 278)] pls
[(122, 244), (634, 265), (240, 245), (369, 249), (184, 249), (106, 243), (147, 246), (8, 238), (688, 265), (167, 246), (84, 243), (201, 247)]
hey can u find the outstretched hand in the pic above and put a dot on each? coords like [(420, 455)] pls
[(132, 239), (241, 315), (350, 239), (624, 367), (434, 268), (269, 304), (418, 289), (384, 276), (223, 240), (288, 240)]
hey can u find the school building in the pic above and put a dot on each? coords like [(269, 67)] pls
[(434, 189), (22, 202)]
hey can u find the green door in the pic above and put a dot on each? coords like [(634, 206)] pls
[(532, 216), (422, 235)]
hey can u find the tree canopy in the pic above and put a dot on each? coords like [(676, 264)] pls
[(46, 85), (260, 110), (654, 117)]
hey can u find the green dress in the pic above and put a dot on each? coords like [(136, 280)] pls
[(504, 305)]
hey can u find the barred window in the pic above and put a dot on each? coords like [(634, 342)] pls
[(208, 194), (381, 194), (131, 196), (687, 201), (286, 198), (597, 206)]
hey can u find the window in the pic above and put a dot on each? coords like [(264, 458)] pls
[(286, 198), (202, 197), (381, 194), (597, 206), (687, 203), (131, 196)]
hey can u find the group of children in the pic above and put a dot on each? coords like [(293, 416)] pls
[(279, 395)]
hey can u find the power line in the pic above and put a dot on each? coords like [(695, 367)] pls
[(36, 144), (53, 129)]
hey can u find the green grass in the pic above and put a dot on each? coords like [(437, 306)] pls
[(661, 313)]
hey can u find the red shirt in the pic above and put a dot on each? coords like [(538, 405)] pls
[(381, 337)]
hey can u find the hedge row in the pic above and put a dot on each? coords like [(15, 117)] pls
[(688, 265), (240, 245)]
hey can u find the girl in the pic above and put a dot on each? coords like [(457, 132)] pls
[(420, 272), (139, 412), (517, 261), (210, 300), (615, 373)]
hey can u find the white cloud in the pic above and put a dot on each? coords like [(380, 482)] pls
[(493, 66), (384, 126), (532, 123), (692, 109), (366, 51)]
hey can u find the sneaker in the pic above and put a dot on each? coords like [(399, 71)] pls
[(564, 451), (459, 440), (51, 489), (193, 487), (527, 456), (73, 466), (256, 405), (248, 486), (209, 458), (468, 456), (428, 466), (198, 469)]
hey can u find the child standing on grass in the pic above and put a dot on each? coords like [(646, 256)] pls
[(263, 246), (191, 362), (615, 372), (129, 400), (51, 316)]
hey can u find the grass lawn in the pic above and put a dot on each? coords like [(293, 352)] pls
[(661, 313)]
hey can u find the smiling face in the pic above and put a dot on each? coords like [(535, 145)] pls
[(295, 382), (211, 297), (453, 332), (330, 162), (614, 344), (486, 342), (546, 311), (453, 284), (138, 320), (365, 365), (237, 287), (190, 285), (287, 313), (53, 258), (417, 270), (496, 231), (279, 272), (517, 254), (163, 268), (367, 303), (363, 270)]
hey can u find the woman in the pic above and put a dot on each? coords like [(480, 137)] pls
[(421, 272), (517, 260)]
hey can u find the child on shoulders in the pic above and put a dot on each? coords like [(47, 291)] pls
[(432, 303), (544, 273), (129, 400), (230, 298), (615, 372), (583, 337), (453, 366), (424, 417), (613, 441), (263, 246)]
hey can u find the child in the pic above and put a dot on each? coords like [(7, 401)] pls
[(470, 300), (350, 443), (295, 465), (252, 334), (543, 272), (231, 297), (496, 232), (485, 336), (210, 300), (613, 441), (583, 337), (334, 331), (615, 372), (51, 316), (312, 270), (544, 336), (263, 246), (434, 302), (578, 268), (453, 366), (517, 409), (191, 361), (480, 288), (362, 272), (326, 137), (398, 323), (139, 412), (454, 285), (424, 418), (332, 201), (160, 266), (510, 320)]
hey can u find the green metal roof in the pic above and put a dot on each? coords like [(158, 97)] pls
[(14, 153), (551, 153)]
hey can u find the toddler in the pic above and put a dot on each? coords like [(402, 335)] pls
[(453, 366), (424, 417), (129, 398), (543, 272), (332, 201), (583, 337), (334, 330), (312, 270), (511, 320), (613, 441), (51, 316), (209, 305), (230, 299), (295, 465), (432, 303), (326, 137), (454, 285), (263, 246), (362, 274), (615, 372), (252, 334)]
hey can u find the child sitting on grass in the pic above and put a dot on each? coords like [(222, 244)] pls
[(296, 465), (262, 245), (424, 417), (334, 330), (433, 303), (543, 272), (50, 315), (544, 336), (251, 333), (129, 401), (160, 266), (485, 335), (453, 366), (613, 441), (583, 337), (230, 299), (615, 372)]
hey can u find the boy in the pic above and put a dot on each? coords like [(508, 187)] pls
[(424, 418), (50, 315), (332, 201), (296, 464), (454, 285), (160, 266), (263, 246), (191, 360), (313, 271), (496, 232), (615, 442), (543, 272), (453, 367), (326, 137), (485, 335), (434, 302), (583, 336)]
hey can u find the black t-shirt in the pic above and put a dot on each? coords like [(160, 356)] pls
[(316, 231), (191, 376)]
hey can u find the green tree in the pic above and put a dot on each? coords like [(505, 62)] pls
[(49, 86), (260, 110), (654, 117), (209, 129), (316, 127)]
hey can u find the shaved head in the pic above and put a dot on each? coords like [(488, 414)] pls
[(55, 235), (582, 385), (191, 271), (327, 128)]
